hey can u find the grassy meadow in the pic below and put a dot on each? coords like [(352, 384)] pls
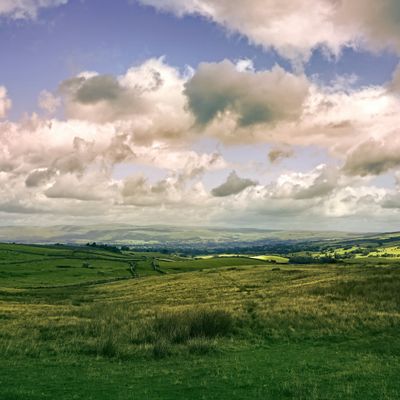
[(86, 323)]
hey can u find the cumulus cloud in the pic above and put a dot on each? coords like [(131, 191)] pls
[(337, 119), (48, 102), (171, 191), (310, 199), (295, 27), (5, 102), (38, 177), (148, 100), (185, 162), (232, 103), (279, 153), (54, 163), (255, 97), (391, 201), (297, 185), (350, 201), (90, 187), (233, 185), (26, 9), (374, 157), (139, 192), (101, 90), (155, 117), (36, 146)]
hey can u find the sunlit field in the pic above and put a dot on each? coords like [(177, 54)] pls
[(221, 328)]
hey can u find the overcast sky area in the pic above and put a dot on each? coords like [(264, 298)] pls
[(274, 114)]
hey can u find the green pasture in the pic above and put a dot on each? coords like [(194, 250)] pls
[(226, 328)]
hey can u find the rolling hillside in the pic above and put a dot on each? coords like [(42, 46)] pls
[(225, 327), (139, 235)]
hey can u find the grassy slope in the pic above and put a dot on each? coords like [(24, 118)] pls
[(276, 259), (23, 265), (128, 234), (310, 332), (200, 264)]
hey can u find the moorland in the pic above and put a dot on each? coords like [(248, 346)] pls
[(290, 316)]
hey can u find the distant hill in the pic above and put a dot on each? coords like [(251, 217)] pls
[(159, 235)]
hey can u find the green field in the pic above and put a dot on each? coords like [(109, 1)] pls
[(269, 258), (276, 259), (218, 328), (207, 263), (22, 266)]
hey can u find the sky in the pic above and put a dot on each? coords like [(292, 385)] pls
[(274, 114)]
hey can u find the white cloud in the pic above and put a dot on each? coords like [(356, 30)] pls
[(185, 162), (296, 27), (147, 101), (88, 187), (277, 154), (317, 183), (374, 157), (39, 177), (336, 119), (350, 201), (5, 102), (26, 9), (254, 97), (233, 185), (171, 191), (147, 118), (154, 103), (48, 102)]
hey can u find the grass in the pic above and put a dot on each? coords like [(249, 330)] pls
[(280, 372), (183, 326), (230, 331), (271, 258), (390, 251), (24, 265), (207, 263)]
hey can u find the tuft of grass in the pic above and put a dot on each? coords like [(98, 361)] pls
[(201, 346), (180, 327), (107, 347), (162, 349)]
